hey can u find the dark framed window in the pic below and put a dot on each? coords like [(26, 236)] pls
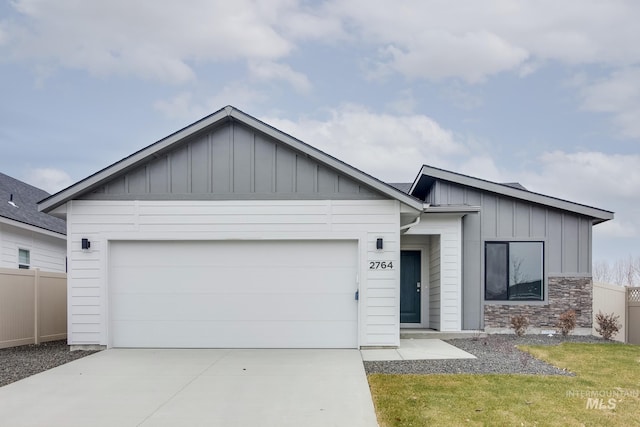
[(24, 258), (514, 271)]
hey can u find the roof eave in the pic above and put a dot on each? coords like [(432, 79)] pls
[(599, 215), (31, 227)]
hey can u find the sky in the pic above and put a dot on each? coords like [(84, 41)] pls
[(544, 93)]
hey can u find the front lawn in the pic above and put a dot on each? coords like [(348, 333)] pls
[(604, 392)]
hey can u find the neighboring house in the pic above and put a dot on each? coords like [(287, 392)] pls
[(231, 233), (29, 238)]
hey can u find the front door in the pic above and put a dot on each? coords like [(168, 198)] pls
[(410, 286)]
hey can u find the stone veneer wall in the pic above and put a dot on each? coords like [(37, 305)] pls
[(564, 293)]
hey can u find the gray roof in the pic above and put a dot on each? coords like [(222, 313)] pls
[(405, 187), (26, 198), (223, 115), (515, 185)]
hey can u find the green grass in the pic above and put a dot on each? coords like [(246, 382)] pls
[(520, 400)]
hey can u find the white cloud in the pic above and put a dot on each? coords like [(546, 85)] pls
[(467, 39), (471, 56), (310, 22), (474, 40), (142, 39), (619, 95), (606, 181), (620, 228), (587, 176), (386, 146), (50, 180)]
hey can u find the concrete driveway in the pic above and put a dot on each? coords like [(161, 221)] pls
[(149, 387)]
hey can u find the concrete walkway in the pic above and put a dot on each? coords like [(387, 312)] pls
[(417, 349), (148, 387)]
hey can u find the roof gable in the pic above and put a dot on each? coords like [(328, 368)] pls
[(232, 161), (24, 209), (429, 175), (228, 154)]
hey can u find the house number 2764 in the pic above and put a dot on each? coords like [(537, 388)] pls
[(380, 265)]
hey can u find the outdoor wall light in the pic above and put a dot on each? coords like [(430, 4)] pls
[(379, 243), (86, 244)]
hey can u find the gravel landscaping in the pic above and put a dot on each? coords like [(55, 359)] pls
[(21, 362), (496, 354)]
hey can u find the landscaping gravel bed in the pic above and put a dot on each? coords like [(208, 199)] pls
[(21, 362), (496, 354)]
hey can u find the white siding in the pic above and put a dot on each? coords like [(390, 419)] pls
[(449, 227), (434, 282), (361, 220), (46, 252)]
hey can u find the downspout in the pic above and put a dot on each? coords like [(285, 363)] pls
[(411, 224), (417, 221)]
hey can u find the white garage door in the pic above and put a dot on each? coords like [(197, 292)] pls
[(233, 294)]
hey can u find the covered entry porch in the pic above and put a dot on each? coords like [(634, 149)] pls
[(431, 273)]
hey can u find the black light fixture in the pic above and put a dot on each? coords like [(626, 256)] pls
[(86, 244), (379, 243)]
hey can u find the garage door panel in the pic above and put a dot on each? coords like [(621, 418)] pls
[(316, 253), (208, 307), (229, 280), (243, 294), (233, 334)]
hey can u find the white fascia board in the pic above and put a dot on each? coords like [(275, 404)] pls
[(598, 214), (32, 228), (451, 209)]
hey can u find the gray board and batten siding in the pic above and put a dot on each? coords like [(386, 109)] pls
[(566, 236), (231, 161)]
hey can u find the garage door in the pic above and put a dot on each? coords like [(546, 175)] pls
[(234, 294)]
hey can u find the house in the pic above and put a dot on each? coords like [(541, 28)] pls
[(231, 233), (29, 238)]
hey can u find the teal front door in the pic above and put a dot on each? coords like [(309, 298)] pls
[(410, 287)]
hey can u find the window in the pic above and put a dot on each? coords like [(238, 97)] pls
[(514, 271), (24, 258)]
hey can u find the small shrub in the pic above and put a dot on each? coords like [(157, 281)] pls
[(608, 325), (567, 322), (520, 324)]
